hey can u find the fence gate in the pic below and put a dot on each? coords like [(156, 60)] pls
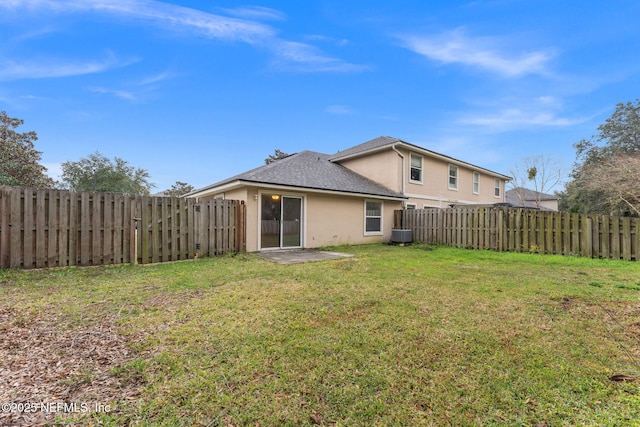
[(172, 228)]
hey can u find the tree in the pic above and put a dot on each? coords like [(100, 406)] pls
[(620, 134), (277, 155), (616, 181), (98, 173), (19, 160), (539, 173), (179, 189), (593, 188)]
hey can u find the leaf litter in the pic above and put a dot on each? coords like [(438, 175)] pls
[(45, 361)]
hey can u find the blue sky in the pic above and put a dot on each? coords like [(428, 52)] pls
[(197, 91)]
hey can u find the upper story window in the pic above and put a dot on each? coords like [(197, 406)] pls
[(476, 183), (496, 187), (416, 168), (453, 177)]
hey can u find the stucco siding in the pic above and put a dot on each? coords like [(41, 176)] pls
[(327, 219), (552, 205), (391, 169), (335, 220), (384, 167), (434, 189)]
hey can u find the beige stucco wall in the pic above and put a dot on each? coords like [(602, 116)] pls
[(434, 189), (327, 219), (336, 220), (384, 167), (549, 204)]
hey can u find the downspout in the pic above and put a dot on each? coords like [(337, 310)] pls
[(393, 147)]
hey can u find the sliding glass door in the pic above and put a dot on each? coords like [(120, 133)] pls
[(281, 222)]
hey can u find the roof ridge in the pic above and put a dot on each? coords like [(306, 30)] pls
[(312, 170), (379, 142)]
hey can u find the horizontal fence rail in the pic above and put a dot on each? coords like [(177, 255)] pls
[(525, 230), (50, 228)]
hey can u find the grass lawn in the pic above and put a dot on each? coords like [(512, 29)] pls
[(393, 336)]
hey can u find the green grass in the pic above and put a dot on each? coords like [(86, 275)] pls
[(394, 336)]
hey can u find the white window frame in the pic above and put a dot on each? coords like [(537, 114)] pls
[(455, 176), (381, 217), (420, 169), (476, 182), (496, 188), (411, 206)]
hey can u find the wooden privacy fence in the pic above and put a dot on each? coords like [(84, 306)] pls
[(525, 230), (48, 228)]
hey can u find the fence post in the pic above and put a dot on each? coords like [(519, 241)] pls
[(587, 236), (5, 228), (501, 232), (626, 238), (240, 227)]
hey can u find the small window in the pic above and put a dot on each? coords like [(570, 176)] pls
[(416, 168), (496, 187), (476, 183), (453, 177), (372, 217), (411, 206)]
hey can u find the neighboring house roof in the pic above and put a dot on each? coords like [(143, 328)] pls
[(521, 196), (308, 170), (387, 142)]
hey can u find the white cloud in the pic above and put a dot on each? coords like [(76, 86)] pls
[(165, 75), (512, 114), (256, 12), (341, 110), (118, 93), (332, 40), (52, 68), (518, 118), (293, 55), (304, 57), (165, 14), (455, 47)]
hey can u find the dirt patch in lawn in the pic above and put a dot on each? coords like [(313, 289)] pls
[(50, 371)]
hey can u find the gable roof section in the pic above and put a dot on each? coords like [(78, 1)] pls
[(308, 170), (376, 144), (387, 142)]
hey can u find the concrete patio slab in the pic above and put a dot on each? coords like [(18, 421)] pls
[(297, 256)]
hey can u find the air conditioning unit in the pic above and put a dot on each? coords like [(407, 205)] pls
[(401, 236)]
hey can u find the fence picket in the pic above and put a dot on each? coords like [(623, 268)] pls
[(525, 230), (5, 227), (47, 228), (53, 233), (625, 236)]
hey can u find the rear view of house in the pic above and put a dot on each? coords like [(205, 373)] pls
[(312, 199)]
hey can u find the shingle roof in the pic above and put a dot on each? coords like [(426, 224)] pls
[(529, 197), (310, 170), (384, 142), (380, 142), (529, 194)]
